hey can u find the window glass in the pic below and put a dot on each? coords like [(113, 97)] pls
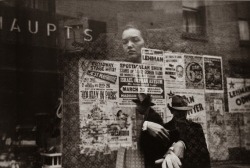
[(193, 17), (244, 30)]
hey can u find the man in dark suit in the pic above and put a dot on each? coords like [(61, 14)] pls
[(151, 147), (195, 154)]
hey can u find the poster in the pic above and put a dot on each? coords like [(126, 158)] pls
[(195, 98), (238, 95), (104, 126), (174, 72), (213, 74), (141, 78), (98, 80), (217, 136), (194, 71), (218, 106), (152, 56)]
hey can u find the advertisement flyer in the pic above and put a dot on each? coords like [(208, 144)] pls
[(195, 98), (238, 95), (98, 80), (217, 137), (194, 71), (174, 72), (152, 56), (213, 74), (140, 78), (104, 126)]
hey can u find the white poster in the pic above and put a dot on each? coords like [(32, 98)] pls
[(104, 126), (174, 72), (152, 56), (238, 91)]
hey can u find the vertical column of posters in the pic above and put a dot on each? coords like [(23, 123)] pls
[(196, 98), (103, 124), (238, 95), (194, 72), (213, 74), (217, 136), (174, 72)]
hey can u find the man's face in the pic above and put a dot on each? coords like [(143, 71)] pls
[(179, 71), (132, 43), (179, 114)]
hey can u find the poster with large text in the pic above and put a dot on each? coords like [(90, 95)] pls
[(238, 95), (174, 72), (152, 56), (104, 126), (213, 74), (141, 78), (194, 71), (195, 98)]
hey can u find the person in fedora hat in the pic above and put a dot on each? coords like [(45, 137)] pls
[(151, 147), (187, 136)]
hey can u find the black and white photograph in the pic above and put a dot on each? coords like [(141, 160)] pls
[(124, 84)]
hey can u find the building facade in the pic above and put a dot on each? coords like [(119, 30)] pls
[(41, 51)]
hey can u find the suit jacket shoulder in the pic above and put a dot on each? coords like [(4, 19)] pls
[(196, 153)]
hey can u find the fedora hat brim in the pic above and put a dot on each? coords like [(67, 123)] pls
[(186, 108)]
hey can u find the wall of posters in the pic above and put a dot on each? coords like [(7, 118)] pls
[(238, 91), (213, 74), (174, 72), (194, 71), (107, 113), (108, 119)]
